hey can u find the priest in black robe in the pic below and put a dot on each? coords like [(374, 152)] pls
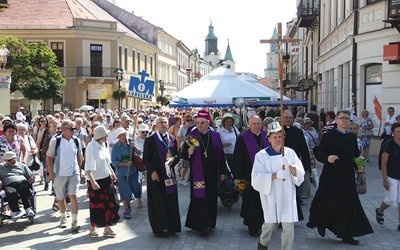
[(248, 144), (336, 205), (294, 139), (207, 170), (160, 155)]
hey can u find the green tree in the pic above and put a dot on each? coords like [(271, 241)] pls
[(35, 71)]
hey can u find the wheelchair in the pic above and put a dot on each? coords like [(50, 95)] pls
[(5, 212)]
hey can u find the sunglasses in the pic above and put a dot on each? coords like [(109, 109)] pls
[(139, 122), (13, 159), (144, 132), (71, 129)]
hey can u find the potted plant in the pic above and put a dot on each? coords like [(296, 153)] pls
[(119, 94)]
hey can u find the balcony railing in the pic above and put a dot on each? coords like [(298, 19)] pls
[(307, 12), (88, 72)]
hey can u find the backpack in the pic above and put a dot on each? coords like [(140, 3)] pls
[(58, 141)]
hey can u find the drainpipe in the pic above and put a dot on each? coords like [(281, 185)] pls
[(354, 60)]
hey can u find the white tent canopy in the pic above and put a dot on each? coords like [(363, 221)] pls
[(253, 81), (221, 86)]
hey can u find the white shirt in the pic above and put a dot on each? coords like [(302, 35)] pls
[(97, 160), (391, 120), (228, 137), (66, 161), (278, 197)]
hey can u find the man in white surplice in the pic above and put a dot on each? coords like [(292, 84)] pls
[(275, 178)]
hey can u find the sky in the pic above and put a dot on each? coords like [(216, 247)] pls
[(243, 23)]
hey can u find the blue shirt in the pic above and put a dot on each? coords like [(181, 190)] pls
[(120, 153)]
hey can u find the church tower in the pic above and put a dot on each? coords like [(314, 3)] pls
[(211, 54), (228, 59), (272, 70)]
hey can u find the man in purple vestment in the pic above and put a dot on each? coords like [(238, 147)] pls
[(208, 168), (248, 144)]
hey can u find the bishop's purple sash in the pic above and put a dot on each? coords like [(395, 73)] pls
[(170, 182), (196, 162), (251, 143)]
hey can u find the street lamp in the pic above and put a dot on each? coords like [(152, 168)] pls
[(162, 88), (119, 74)]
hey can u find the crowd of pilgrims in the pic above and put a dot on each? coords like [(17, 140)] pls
[(277, 178)]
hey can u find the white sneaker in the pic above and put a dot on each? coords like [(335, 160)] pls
[(75, 227), (29, 212), (67, 214), (63, 222), (183, 182), (15, 216)]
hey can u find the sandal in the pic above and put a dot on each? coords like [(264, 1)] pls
[(109, 233), (93, 232), (139, 204), (55, 205)]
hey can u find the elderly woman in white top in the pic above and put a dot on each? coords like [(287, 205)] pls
[(143, 131), (103, 198), (228, 133), (30, 144)]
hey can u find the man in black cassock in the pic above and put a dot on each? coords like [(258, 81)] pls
[(248, 144), (336, 205), (160, 155), (207, 169), (294, 139)]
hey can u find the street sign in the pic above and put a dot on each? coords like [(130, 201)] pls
[(141, 88)]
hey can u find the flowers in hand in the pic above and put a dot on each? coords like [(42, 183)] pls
[(240, 185), (360, 161), (191, 142)]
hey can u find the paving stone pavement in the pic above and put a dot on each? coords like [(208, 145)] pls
[(230, 233)]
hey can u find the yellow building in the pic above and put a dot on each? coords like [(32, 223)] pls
[(89, 44)]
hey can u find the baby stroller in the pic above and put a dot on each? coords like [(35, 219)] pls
[(5, 212), (227, 190)]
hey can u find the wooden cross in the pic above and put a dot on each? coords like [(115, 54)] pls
[(280, 40)]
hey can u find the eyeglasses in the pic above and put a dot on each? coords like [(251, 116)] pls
[(189, 120), (42, 120), (139, 122), (71, 129), (344, 118), (144, 132), (201, 123)]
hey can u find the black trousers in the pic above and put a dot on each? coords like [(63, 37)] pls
[(13, 189)]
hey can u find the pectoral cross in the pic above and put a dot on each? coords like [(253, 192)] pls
[(205, 154), (280, 40)]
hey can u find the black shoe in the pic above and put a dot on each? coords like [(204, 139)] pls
[(160, 234), (253, 233), (261, 247), (379, 217), (204, 232), (321, 231), (46, 186), (350, 241)]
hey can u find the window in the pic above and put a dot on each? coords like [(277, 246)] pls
[(151, 66), (138, 62), (58, 49), (96, 60), (126, 58), (120, 56), (372, 1), (145, 62), (133, 61)]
